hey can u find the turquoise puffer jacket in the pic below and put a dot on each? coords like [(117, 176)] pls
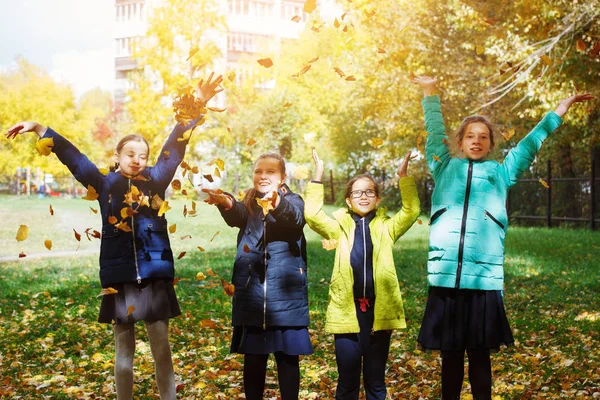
[(468, 205)]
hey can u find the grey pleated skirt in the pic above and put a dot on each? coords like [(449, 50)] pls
[(152, 300)]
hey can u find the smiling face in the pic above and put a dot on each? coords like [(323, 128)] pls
[(133, 157), (363, 197), (476, 142), (267, 175)]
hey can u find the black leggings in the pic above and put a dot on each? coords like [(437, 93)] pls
[(255, 371), (480, 374)]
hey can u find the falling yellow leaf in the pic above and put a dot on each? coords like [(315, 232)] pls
[(445, 141), (329, 244), (217, 173), (267, 204), (130, 309), (436, 158), (186, 135), (143, 201), (214, 236), (265, 62), (48, 244), (581, 46), (51, 210), (350, 78), (343, 16), (251, 142), (200, 276), (544, 183), (419, 142), (420, 221), (123, 226), (104, 171), (507, 135), (376, 142), (296, 18), (229, 288), (21, 255), (215, 109), (173, 228), (304, 70), (336, 23), (316, 27), (176, 184), (193, 51), (201, 248), (479, 49), (218, 162), (180, 256), (44, 146), (301, 172), (339, 72), (164, 207), (381, 51), (287, 105), (127, 212), (210, 272), (547, 60), (94, 210), (91, 194), (107, 291), (185, 237), (310, 6), (369, 14)]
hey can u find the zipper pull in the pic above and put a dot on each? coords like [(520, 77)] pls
[(485, 213), (264, 327), (139, 280)]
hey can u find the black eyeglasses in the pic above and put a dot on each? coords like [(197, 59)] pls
[(357, 194)]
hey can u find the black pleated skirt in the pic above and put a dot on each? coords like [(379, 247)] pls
[(456, 320), (152, 300)]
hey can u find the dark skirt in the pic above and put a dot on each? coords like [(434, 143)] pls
[(152, 300), (456, 320), (289, 340)]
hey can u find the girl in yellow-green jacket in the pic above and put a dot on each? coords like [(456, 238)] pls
[(365, 304)]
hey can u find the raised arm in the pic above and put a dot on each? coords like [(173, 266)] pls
[(313, 209), (173, 151), (522, 155), (235, 213), (411, 206), (436, 148), (290, 211), (80, 166)]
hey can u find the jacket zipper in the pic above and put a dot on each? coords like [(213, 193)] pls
[(463, 226), (364, 259), (265, 282), (137, 270), (437, 214), (487, 214)]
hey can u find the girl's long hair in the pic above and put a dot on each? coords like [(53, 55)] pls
[(133, 137), (249, 201)]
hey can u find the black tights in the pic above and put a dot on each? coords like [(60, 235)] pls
[(255, 371), (480, 374)]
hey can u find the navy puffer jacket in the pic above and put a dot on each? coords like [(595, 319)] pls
[(278, 294), (145, 252)]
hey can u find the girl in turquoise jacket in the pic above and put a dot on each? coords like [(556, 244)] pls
[(465, 311)]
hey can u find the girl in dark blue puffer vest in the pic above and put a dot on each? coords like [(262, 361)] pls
[(270, 302), (135, 254)]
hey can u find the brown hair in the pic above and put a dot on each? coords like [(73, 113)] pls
[(460, 132), (133, 137), (251, 193), (356, 178)]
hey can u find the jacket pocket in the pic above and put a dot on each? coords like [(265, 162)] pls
[(488, 214), (114, 243), (437, 214), (436, 255)]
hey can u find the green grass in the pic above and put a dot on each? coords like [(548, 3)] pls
[(52, 346)]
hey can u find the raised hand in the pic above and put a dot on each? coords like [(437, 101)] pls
[(427, 83), (24, 127), (207, 90), (403, 168), (318, 166), (565, 104), (217, 197)]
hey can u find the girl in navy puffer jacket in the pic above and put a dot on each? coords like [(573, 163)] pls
[(135, 254), (270, 303)]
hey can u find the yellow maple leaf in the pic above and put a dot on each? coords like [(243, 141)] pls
[(376, 142), (231, 76), (267, 204), (507, 135), (265, 62), (329, 244), (44, 146), (310, 6), (200, 276), (107, 291), (173, 228), (164, 207), (48, 244), (123, 226), (369, 14), (218, 162), (91, 194), (339, 72), (251, 142), (22, 233), (229, 288)]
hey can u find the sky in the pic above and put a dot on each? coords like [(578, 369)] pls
[(71, 39)]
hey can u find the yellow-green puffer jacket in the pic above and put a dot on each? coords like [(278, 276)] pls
[(385, 230)]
